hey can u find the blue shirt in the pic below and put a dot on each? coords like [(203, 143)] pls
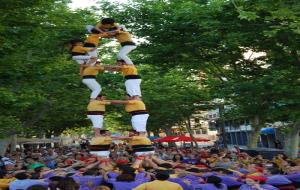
[(25, 183)]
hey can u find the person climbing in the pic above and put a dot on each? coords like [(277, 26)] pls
[(89, 74), (132, 79), (95, 112), (80, 53), (136, 107), (92, 42), (100, 145)]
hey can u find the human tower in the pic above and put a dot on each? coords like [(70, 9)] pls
[(85, 53)]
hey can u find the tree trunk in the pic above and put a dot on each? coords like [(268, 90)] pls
[(156, 133), (222, 125), (169, 133), (189, 129), (4, 143), (255, 132), (291, 140), (13, 143)]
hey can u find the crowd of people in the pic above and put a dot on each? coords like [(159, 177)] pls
[(168, 168)]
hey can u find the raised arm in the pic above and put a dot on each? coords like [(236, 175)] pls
[(112, 67), (118, 101), (121, 138), (82, 67)]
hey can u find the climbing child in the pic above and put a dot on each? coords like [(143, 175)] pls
[(92, 42), (80, 53), (89, 74), (125, 39), (132, 79), (95, 112), (136, 107)]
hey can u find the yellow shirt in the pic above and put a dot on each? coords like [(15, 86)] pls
[(80, 49), (101, 141), (123, 36), (129, 70), (94, 38), (4, 183), (92, 70), (139, 140), (158, 185), (97, 105), (135, 105)]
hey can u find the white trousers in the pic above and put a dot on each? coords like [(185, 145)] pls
[(144, 153), (123, 53), (89, 28), (104, 154), (93, 53), (97, 120), (81, 59), (94, 86), (133, 87), (139, 122)]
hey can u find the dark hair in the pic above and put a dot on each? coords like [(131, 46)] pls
[(274, 170), (127, 169), (214, 180), (38, 169), (165, 165), (174, 159), (93, 172), (162, 176), (128, 177), (68, 184), (37, 187), (224, 170), (103, 131), (108, 21), (21, 175), (56, 178), (194, 170), (94, 31)]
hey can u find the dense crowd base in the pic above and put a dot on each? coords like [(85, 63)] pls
[(167, 169)]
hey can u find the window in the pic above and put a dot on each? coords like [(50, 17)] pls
[(204, 131), (197, 120)]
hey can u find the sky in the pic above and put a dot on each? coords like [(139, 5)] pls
[(88, 3)]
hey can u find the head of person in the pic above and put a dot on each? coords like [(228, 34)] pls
[(102, 187), (254, 168), (215, 180), (100, 97), (108, 23), (91, 172), (68, 183), (273, 171), (94, 31), (53, 181), (162, 175), (132, 133), (104, 132), (126, 177), (166, 165), (22, 175), (177, 157), (29, 160), (252, 180), (121, 62), (76, 42)]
